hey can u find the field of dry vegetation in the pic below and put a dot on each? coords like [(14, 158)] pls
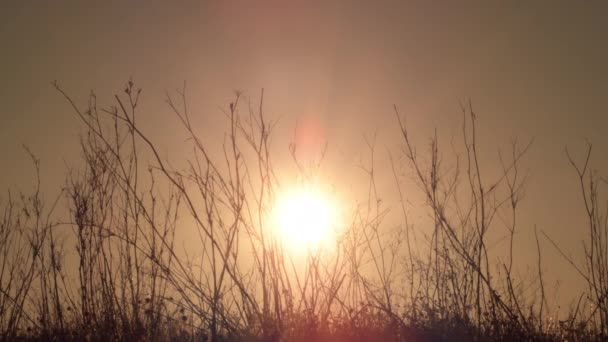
[(112, 268)]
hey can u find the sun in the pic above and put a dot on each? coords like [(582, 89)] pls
[(306, 218)]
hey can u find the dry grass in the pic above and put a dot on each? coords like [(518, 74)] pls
[(129, 282)]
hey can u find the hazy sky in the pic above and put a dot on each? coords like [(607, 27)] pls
[(532, 69)]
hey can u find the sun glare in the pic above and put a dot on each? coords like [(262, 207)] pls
[(306, 218)]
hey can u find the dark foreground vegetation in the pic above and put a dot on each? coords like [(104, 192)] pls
[(104, 261)]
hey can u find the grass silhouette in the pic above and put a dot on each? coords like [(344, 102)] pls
[(129, 280)]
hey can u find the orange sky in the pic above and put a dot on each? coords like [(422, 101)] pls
[(532, 70)]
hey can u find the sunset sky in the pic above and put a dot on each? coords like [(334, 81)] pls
[(532, 70)]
